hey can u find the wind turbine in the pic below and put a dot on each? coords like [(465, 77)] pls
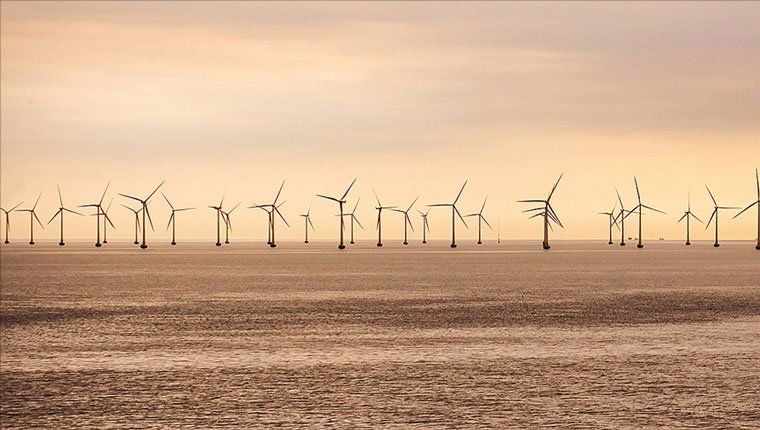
[(354, 218), (622, 215), (273, 208), (105, 226), (715, 214), (144, 203), (8, 220), (425, 224), (481, 218), (173, 219), (407, 220), (613, 221), (547, 212), (640, 207), (454, 213), (137, 221), (498, 231), (228, 223), (307, 222), (60, 212), (97, 207), (379, 226), (218, 217), (688, 214), (269, 221), (340, 202), (32, 217), (756, 202)]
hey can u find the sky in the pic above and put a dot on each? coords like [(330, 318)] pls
[(410, 98)]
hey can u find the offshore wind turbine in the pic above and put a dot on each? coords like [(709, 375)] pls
[(273, 208), (547, 212), (137, 222), (228, 223), (379, 225), (32, 217), (218, 218), (173, 219), (307, 222), (407, 220), (613, 221), (454, 213), (340, 202), (425, 224), (622, 215), (269, 221), (640, 207), (97, 207), (8, 220), (716, 209), (144, 203), (353, 217), (756, 202), (60, 212), (481, 219), (688, 214)]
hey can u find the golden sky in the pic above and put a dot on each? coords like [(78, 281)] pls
[(411, 98)]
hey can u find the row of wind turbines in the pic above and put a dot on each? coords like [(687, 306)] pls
[(616, 216)]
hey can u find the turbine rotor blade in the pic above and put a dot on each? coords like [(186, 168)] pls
[(56, 214), (711, 195), (167, 201), (460, 193), (743, 210), (554, 188), (349, 189)]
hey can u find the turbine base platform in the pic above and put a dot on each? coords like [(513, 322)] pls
[(423, 242), (305, 241), (218, 244), (341, 246), (379, 244), (227, 242), (480, 243), (61, 244), (351, 243), (31, 243), (639, 246), (453, 245), (7, 242), (143, 246), (174, 243), (757, 247), (105, 241), (716, 245), (137, 243), (273, 245), (622, 244), (688, 243), (406, 243), (609, 243), (98, 245), (547, 247)]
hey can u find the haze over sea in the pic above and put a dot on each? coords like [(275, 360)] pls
[(586, 335)]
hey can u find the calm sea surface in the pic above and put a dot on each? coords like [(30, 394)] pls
[(584, 336)]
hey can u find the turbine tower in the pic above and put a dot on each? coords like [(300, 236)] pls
[(227, 223), (32, 217), (307, 222), (454, 214), (481, 219), (425, 224), (640, 207), (105, 226), (144, 203), (8, 220), (172, 219), (613, 220), (716, 209), (60, 212), (547, 212), (98, 211), (353, 217), (688, 214), (407, 220), (756, 202), (218, 218), (379, 226), (137, 222), (340, 202)]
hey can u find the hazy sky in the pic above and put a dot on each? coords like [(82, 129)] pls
[(411, 98)]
